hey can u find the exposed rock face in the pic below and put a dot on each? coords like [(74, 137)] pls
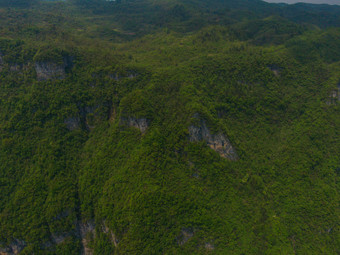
[(185, 235), (72, 123), (49, 70), (84, 230), (89, 114), (112, 114), (14, 248), (334, 96), (217, 142), (106, 230), (1, 59), (142, 123), (59, 238), (15, 68), (87, 227), (118, 77), (275, 69), (114, 239), (209, 246), (86, 118)]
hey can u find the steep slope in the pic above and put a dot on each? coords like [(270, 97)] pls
[(223, 140)]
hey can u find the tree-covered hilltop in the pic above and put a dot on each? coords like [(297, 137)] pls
[(169, 127)]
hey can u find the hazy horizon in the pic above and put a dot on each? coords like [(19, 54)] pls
[(337, 2)]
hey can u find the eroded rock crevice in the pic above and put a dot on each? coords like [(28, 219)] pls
[(141, 123), (276, 70), (48, 70), (185, 235), (218, 142), (113, 237), (1, 59), (88, 117), (14, 248), (334, 96), (87, 231), (117, 76)]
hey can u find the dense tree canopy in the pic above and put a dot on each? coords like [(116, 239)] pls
[(100, 103)]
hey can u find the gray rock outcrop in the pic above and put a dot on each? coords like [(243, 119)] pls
[(1, 59), (218, 142), (89, 114), (84, 230), (15, 67), (72, 123), (185, 235), (49, 70), (106, 230), (14, 248), (59, 238), (209, 246), (86, 118), (275, 69), (141, 123), (334, 96), (118, 77)]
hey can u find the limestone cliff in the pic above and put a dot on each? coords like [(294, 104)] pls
[(141, 123), (72, 123), (14, 248), (86, 229), (47, 70), (218, 142), (88, 117), (334, 96), (185, 235), (118, 76)]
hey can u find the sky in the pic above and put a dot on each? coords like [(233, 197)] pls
[(306, 1)]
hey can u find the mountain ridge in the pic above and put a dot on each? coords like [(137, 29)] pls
[(169, 128)]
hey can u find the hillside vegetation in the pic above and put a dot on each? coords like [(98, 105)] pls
[(169, 127)]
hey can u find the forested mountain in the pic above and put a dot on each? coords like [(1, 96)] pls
[(336, 2), (169, 127)]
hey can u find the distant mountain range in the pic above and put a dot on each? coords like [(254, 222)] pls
[(337, 2)]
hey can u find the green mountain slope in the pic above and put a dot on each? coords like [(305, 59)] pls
[(121, 134)]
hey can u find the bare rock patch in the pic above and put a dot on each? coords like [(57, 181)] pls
[(218, 142)]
